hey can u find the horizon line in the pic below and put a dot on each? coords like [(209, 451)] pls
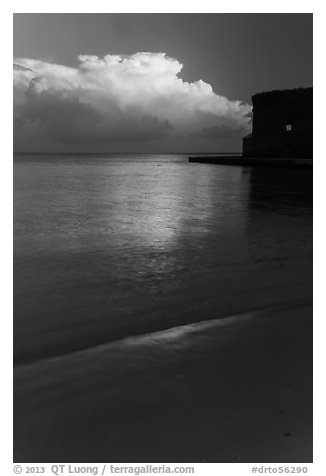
[(130, 153)]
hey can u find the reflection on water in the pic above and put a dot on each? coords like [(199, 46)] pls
[(108, 246), (288, 190), (280, 218)]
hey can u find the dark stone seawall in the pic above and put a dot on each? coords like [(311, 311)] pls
[(252, 161)]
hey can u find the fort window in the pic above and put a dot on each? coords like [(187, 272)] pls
[(288, 127)]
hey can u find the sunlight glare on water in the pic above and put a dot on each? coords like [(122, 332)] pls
[(106, 246)]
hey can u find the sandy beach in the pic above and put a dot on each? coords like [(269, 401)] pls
[(237, 389)]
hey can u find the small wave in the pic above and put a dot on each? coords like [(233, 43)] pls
[(167, 335)]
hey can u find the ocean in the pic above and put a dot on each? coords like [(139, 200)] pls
[(109, 246), (162, 311)]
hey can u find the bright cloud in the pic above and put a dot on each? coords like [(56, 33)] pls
[(118, 98)]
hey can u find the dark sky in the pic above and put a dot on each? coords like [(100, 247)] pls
[(237, 54)]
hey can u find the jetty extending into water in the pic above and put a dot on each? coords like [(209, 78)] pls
[(252, 161)]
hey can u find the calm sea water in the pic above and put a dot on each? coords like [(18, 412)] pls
[(115, 245)]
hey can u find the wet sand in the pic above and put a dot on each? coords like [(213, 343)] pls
[(237, 389)]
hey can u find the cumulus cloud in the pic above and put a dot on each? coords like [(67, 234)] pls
[(117, 99)]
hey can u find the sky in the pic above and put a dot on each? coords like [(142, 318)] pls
[(148, 83)]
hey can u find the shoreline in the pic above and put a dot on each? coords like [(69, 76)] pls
[(201, 301)]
